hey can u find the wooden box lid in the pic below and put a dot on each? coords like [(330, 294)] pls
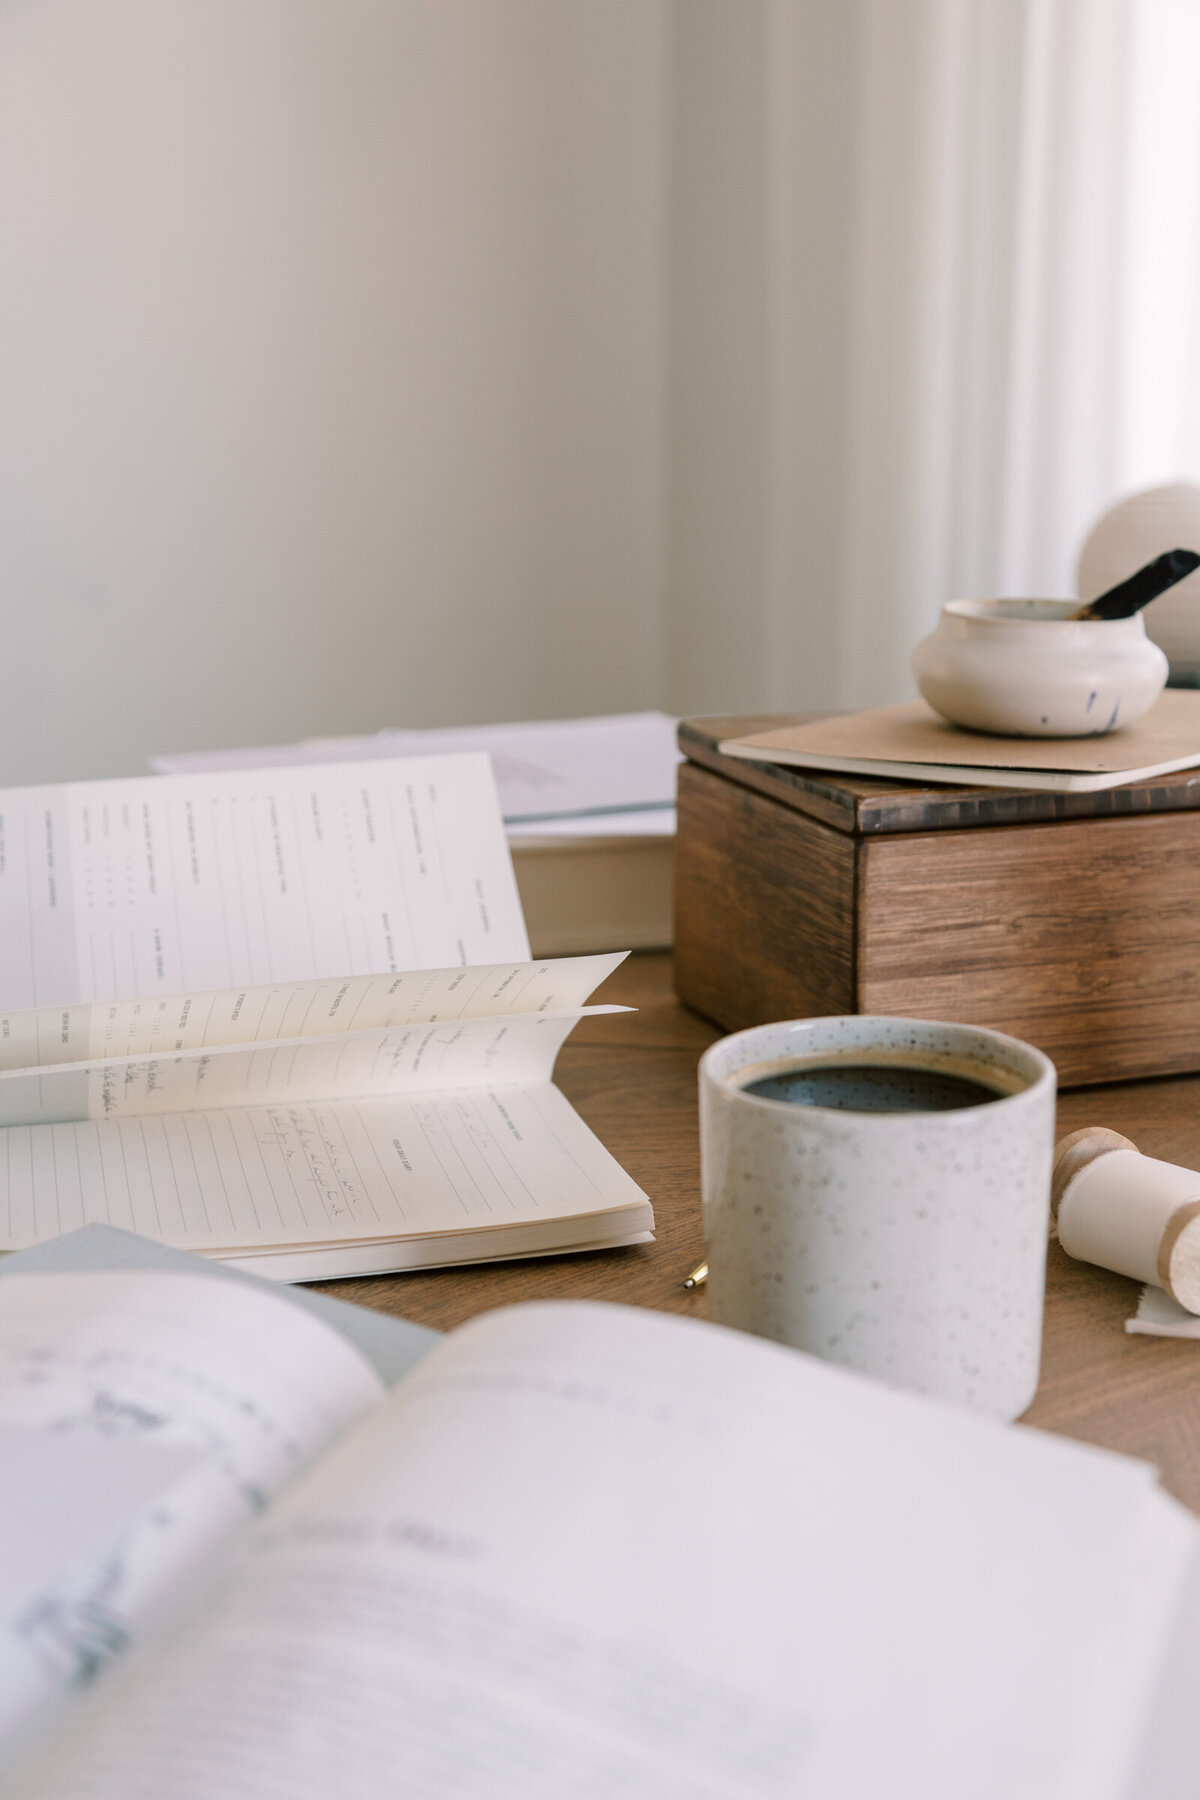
[(863, 807)]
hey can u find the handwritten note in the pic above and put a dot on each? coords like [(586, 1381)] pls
[(258, 1178)]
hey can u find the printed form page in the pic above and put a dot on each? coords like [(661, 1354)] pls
[(593, 1552), (44, 1037), (426, 1058), (117, 890)]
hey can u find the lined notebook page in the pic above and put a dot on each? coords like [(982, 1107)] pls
[(152, 886), (45, 1036), (311, 1174), (426, 1058)]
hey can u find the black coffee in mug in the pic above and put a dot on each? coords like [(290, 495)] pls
[(891, 1087)]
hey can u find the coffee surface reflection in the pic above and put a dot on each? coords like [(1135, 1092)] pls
[(873, 1087)]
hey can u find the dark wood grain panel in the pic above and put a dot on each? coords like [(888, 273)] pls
[(763, 903), (1083, 938), (834, 799)]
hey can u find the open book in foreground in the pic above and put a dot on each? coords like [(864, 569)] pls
[(285, 1017), (574, 1550)]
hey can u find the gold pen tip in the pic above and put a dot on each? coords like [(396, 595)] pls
[(698, 1277)]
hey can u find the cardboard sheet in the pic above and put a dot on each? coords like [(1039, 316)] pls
[(912, 742)]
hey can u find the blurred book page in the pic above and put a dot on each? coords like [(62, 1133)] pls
[(597, 1552), (219, 1392), (43, 1527)]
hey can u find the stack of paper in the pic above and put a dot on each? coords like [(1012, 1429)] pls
[(588, 804), (911, 742)]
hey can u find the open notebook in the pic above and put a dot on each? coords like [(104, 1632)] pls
[(286, 1017)]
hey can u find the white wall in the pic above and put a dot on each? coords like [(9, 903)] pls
[(375, 362), (898, 323), (761, 299), (331, 368)]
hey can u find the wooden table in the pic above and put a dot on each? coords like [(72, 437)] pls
[(633, 1078)]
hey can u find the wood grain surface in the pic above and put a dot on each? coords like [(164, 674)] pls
[(1083, 937), (633, 1078), (764, 906)]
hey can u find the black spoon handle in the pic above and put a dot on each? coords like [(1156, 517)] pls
[(1139, 590)]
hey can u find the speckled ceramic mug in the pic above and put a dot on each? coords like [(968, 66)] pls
[(909, 1245)]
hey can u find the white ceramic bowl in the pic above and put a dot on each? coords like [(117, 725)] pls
[(1024, 668)]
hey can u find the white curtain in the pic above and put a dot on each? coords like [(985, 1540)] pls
[(976, 305), (1160, 366)]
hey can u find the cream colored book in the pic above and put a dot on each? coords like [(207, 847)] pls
[(253, 1014), (575, 1550), (911, 742), (597, 890)]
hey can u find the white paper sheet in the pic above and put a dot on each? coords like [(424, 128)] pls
[(126, 889), (652, 822), (43, 1527), (47, 1036), (250, 1384), (454, 1056), (545, 770), (1160, 1316)]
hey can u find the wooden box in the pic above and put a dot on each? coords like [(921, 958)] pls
[(1072, 921)]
